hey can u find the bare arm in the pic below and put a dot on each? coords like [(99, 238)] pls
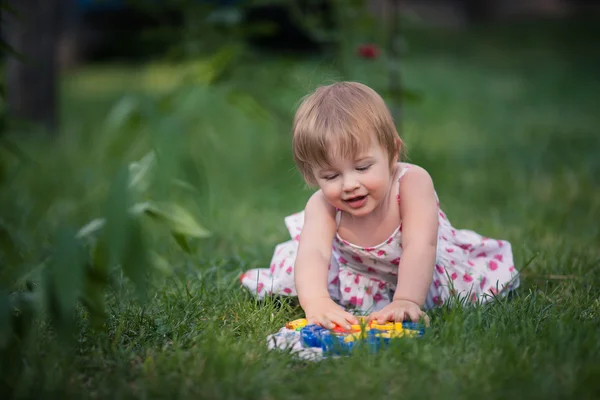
[(419, 214), (314, 250), (312, 262)]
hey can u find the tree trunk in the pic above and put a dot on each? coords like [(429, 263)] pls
[(31, 82)]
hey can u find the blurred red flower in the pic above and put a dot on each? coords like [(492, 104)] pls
[(369, 51)]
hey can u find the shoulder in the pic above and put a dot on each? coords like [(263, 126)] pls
[(418, 206), (319, 220), (414, 176), (415, 186), (318, 204)]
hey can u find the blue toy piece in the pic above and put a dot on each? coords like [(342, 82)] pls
[(338, 342), (333, 344), (414, 326), (311, 336)]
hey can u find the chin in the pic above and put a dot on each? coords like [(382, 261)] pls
[(361, 212)]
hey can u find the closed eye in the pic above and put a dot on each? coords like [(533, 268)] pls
[(366, 167), (330, 177)]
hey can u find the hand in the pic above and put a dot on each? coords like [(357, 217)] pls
[(399, 311), (325, 312)]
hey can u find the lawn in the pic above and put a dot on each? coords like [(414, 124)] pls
[(508, 129)]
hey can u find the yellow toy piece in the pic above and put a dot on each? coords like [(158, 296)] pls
[(397, 334), (411, 333), (355, 336), (349, 338), (296, 324), (388, 326)]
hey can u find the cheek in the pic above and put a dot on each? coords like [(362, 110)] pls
[(330, 191), (379, 181)]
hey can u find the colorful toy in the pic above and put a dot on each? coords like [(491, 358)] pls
[(341, 341)]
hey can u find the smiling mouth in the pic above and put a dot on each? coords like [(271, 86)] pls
[(355, 199)]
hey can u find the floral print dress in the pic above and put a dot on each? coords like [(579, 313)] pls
[(468, 265)]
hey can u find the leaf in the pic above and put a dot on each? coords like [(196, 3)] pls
[(96, 281), (139, 172), (180, 239), (185, 185), (90, 228), (118, 218), (93, 301), (135, 260), (126, 111), (99, 268), (67, 272), (176, 218), (140, 208), (124, 237), (168, 149)]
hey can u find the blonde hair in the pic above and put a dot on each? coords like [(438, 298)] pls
[(340, 120)]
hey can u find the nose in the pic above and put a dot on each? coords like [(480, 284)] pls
[(350, 183)]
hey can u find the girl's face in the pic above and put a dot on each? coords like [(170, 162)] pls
[(359, 185)]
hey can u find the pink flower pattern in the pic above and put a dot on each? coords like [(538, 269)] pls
[(365, 277)]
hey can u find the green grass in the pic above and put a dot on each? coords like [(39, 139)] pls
[(509, 132)]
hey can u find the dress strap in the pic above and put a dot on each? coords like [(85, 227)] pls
[(400, 175)]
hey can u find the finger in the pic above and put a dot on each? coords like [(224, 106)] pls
[(373, 316), (381, 316), (414, 315), (385, 316), (340, 320), (350, 318), (426, 320), (399, 315), (326, 323), (347, 316)]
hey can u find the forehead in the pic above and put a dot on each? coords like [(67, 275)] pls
[(339, 156)]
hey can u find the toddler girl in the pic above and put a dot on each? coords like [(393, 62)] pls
[(373, 237)]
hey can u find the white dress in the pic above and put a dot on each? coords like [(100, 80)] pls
[(468, 266)]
